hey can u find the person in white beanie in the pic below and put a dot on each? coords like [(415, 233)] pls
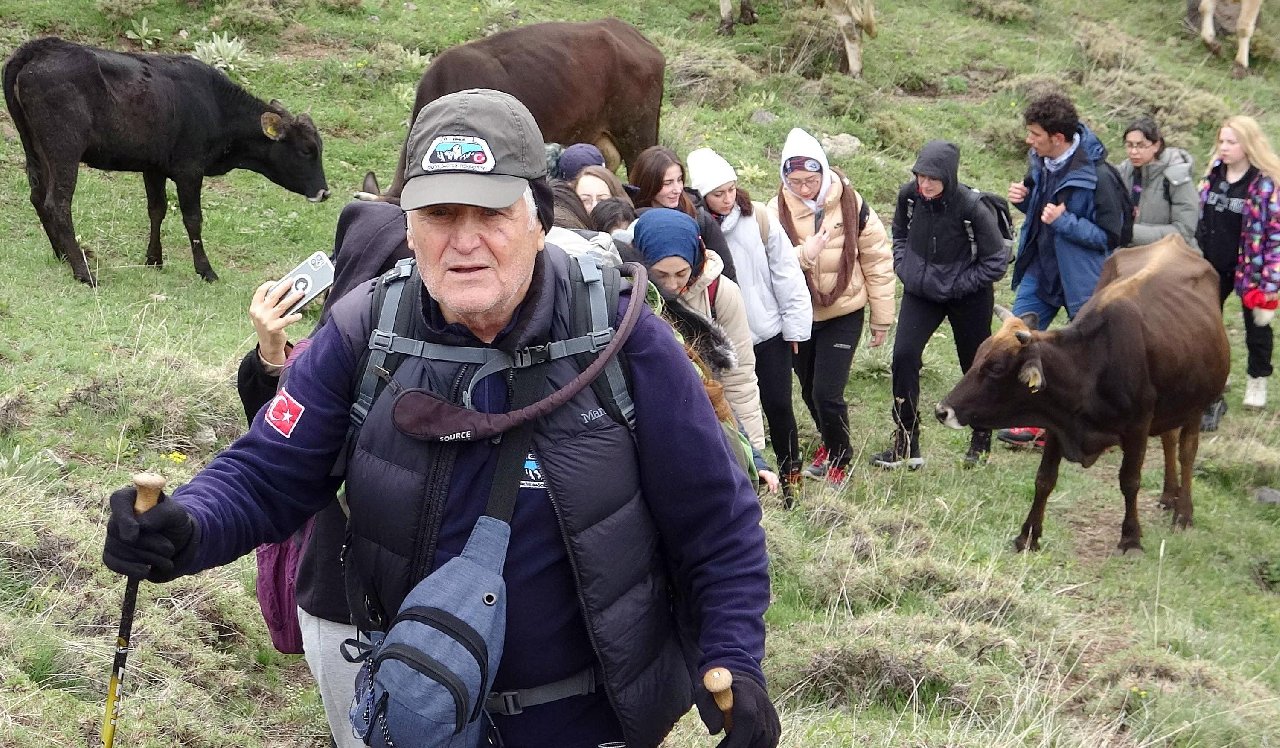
[(848, 266), (777, 300)]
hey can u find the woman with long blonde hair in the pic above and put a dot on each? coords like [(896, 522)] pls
[(1239, 233)]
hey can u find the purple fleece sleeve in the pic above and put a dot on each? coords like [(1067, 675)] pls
[(266, 484), (703, 504)]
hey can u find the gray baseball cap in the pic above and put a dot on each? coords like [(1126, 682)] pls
[(475, 147)]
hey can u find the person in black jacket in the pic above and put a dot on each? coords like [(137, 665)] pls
[(948, 253), (370, 240)]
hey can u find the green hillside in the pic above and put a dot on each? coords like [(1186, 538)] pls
[(902, 617)]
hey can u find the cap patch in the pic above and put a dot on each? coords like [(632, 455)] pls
[(458, 153)]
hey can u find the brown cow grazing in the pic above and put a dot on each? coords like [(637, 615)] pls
[(1143, 358), (1246, 22), (167, 116), (598, 82)]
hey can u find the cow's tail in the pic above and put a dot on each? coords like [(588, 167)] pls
[(25, 54)]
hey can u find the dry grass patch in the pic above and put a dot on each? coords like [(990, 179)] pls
[(701, 73), (1106, 46), (1001, 11)]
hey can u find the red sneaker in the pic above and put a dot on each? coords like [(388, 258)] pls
[(1022, 436), (836, 476), (818, 468)]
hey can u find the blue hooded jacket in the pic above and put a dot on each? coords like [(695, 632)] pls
[(1078, 245)]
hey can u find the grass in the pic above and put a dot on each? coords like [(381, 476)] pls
[(901, 616)]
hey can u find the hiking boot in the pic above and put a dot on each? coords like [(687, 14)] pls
[(1213, 414), (818, 468), (979, 448), (1022, 436), (790, 487), (1255, 392), (905, 451)]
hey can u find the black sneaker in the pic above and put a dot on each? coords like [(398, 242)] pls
[(905, 451), (1213, 414), (979, 448)]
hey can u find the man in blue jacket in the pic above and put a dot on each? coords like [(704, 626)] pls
[(616, 527), (1071, 226)]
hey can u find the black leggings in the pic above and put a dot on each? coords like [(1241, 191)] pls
[(1258, 341), (823, 367), (919, 318), (773, 370)]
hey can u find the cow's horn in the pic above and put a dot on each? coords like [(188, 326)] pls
[(1023, 336), (1002, 314)]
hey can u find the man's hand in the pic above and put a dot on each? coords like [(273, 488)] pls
[(755, 720), (267, 311), (150, 545), (1017, 192), (770, 481), (1051, 212), (877, 337)]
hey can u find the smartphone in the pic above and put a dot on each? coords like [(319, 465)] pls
[(312, 276)]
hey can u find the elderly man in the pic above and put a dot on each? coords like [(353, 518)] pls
[(614, 527)]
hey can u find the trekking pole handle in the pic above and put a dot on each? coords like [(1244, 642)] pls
[(149, 486), (719, 681)]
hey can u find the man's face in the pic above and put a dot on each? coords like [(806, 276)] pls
[(477, 263), (1044, 144)]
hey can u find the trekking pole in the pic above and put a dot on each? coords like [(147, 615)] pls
[(149, 486), (719, 681)]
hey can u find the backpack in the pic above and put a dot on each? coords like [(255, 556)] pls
[(759, 211), (1111, 196), (999, 207), (276, 588)]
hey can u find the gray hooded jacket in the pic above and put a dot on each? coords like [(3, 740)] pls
[(1169, 201)]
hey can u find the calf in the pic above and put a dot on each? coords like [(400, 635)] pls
[(746, 15), (1144, 357), (168, 117)]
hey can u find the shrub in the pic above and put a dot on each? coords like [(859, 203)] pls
[(122, 10), (811, 45), (224, 52), (249, 16), (1001, 11), (702, 73)]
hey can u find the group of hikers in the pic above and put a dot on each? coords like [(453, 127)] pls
[(482, 358)]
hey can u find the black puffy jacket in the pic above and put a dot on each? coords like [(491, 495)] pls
[(932, 252)]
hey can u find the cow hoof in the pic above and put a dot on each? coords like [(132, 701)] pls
[(1214, 47), (1239, 71), (1181, 523), (1168, 502), (1125, 548), (88, 279), (1021, 545), (208, 275), (748, 19), (725, 28)]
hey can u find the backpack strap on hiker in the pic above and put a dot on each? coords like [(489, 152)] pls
[(595, 297)]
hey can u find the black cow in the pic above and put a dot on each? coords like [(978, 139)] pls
[(598, 82), (166, 116), (1144, 357)]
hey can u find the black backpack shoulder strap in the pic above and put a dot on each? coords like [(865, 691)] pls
[(592, 308)]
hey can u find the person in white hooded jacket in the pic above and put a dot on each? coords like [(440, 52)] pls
[(779, 313), (847, 261)]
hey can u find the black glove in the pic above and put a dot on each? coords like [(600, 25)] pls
[(151, 545), (755, 720)]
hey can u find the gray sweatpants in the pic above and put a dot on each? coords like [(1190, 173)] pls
[(335, 677)]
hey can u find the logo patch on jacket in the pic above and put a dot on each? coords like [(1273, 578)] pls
[(284, 413), (458, 153), (532, 473)]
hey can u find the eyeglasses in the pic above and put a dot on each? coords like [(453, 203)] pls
[(1137, 146), (809, 182)]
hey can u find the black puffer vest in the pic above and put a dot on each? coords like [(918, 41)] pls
[(396, 486)]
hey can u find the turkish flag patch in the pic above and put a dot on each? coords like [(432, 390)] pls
[(284, 413)]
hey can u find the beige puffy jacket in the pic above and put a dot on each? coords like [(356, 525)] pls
[(872, 280), (741, 388)]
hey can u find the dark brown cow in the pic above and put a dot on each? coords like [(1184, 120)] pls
[(598, 82), (167, 116), (1144, 357)]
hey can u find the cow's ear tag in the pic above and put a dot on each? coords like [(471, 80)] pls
[(1032, 377), (272, 125)]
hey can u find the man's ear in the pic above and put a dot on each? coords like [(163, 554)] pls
[(408, 234)]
